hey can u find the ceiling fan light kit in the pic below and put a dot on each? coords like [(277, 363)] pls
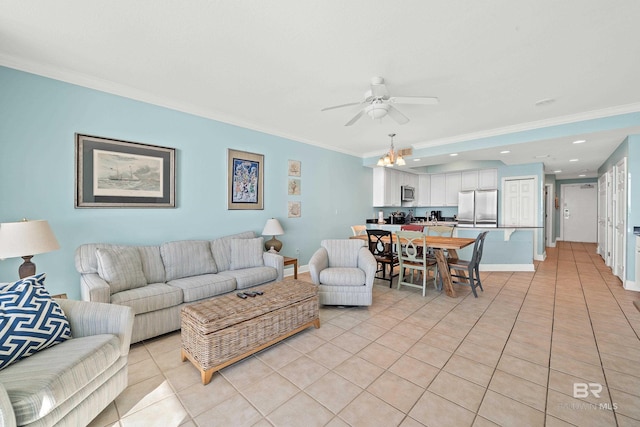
[(377, 103)]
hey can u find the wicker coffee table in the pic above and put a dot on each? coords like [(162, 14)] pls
[(225, 329)]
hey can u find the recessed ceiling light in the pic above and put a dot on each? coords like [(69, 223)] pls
[(505, 152), (573, 160), (579, 141), (558, 171), (453, 154), (582, 175), (545, 101), (542, 156), (416, 160)]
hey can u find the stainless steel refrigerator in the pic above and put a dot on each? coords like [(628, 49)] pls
[(478, 208)]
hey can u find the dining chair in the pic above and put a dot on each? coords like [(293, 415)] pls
[(383, 252), (413, 258), (471, 266), (358, 230), (412, 227), (438, 230)]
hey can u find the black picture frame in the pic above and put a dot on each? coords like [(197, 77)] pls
[(111, 173)]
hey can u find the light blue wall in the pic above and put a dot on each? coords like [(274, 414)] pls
[(38, 120)]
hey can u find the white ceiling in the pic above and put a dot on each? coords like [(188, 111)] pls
[(273, 65)]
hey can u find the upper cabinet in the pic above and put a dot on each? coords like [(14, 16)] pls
[(484, 179), (487, 179), (439, 189), (424, 190), (386, 186)]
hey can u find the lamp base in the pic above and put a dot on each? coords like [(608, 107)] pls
[(27, 268), (274, 244)]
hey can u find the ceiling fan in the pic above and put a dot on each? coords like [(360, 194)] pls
[(377, 103)]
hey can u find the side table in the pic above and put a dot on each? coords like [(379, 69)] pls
[(294, 262)]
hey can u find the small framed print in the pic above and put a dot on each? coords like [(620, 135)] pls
[(246, 180), (294, 167), (294, 209), (294, 187)]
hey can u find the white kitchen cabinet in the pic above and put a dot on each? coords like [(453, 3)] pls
[(468, 180), (488, 179), (452, 188), (438, 193), (424, 190), (386, 187)]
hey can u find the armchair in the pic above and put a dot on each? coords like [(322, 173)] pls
[(344, 270)]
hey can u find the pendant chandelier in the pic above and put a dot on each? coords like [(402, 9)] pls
[(391, 157)]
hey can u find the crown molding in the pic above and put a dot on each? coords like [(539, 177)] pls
[(523, 127), (110, 87)]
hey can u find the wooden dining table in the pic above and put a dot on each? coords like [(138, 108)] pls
[(439, 244)]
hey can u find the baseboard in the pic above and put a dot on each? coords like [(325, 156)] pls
[(507, 267), (552, 244), (540, 257), (630, 285)]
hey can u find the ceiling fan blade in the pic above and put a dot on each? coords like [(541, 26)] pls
[(340, 106), (355, 118), (396, 115), (420, 100)]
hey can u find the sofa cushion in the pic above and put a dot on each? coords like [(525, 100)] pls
[(342, 276), (204, 286), (38, 384), (248, 277), (120, 268), (152, 297), (246, 253), (221, 249), (187, 258), (30, 320)]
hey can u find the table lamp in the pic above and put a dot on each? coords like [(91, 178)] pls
[(273, 228), (26, 239)]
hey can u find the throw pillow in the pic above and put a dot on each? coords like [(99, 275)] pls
[(120, 268), (30, 320), (246, 253), (186, 258)]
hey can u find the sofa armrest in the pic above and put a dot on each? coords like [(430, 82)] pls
[(318, 262), (7, 416), (276, 261), (94, 288), (368, 263), (94, 318)]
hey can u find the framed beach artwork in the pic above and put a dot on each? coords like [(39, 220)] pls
[(294, 168), (294, 209), (119, 174), (246, 180), (294, 188)]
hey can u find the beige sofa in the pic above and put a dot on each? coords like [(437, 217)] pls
[(156, 281), (70, 383)]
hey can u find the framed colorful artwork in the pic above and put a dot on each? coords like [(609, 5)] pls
[(246, 180)]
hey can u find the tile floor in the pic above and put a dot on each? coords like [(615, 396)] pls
[(514, 356)]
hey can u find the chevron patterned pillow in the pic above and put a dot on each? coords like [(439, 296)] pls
[(30, 320)]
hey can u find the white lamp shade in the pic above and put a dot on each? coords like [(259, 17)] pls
[(26, 238), (272, 228)]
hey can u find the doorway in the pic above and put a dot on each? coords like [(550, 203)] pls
[(579, 221), (549, 207)]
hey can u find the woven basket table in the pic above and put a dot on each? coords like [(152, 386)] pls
[(225, 329)]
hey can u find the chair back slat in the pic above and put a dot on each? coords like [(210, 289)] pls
[(440, 230), (412, 227)]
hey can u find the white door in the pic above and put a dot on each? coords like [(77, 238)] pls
[(602, 216), (548, 215), (609, 249), (579, 212), (620, 216), (519, 202)]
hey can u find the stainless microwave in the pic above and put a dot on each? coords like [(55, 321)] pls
[(408, 194)]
